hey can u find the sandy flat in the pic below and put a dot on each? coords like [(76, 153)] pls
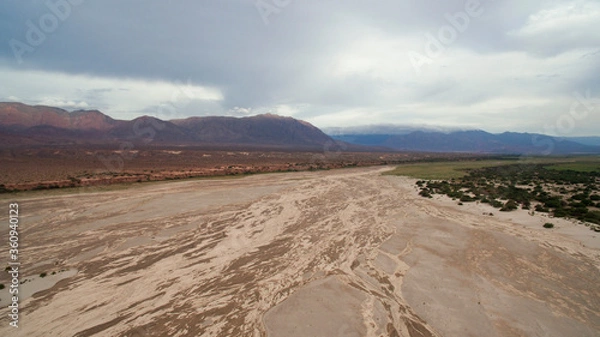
[(330, 253), (326, 307)]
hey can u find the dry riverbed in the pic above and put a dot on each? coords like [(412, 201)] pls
[(332, 253)]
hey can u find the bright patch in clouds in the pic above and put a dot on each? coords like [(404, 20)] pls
[(288, 110), (118, 97), (567, 25), (564, 17), (237, 111), (50, 101)]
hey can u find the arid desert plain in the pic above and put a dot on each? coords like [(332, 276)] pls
[(347, 252)]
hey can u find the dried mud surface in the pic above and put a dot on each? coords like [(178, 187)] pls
[(330, 253)]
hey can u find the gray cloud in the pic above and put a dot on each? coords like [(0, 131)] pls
[(331, 62)]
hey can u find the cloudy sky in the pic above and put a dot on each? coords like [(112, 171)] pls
[(517, 65)]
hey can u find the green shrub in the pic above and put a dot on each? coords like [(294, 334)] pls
[(466, 198), (43, 275), (553, 202), (1, 286), (510, 205), (560, 213), (425, 193), (548, 225), (593, 217)]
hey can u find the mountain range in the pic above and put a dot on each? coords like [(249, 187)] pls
[(22, 125), (475, 141)]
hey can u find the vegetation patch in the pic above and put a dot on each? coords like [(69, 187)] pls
[(446, 169), (579, 166), (540, 187)]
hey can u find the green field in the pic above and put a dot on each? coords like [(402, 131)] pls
[(576, 166), (458, 169), (444, 170)]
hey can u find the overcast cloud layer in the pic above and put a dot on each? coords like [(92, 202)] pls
[(495, 65)]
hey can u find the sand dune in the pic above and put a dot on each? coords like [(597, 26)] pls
[(331, 253)]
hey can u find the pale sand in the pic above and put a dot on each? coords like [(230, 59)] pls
[(34, 284), (336, 253)]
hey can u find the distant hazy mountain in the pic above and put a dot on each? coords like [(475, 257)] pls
[(24, 124), (385, 129), (475, 141), (594, 141)]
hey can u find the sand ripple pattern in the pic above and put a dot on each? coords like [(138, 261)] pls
[(338, 253)]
